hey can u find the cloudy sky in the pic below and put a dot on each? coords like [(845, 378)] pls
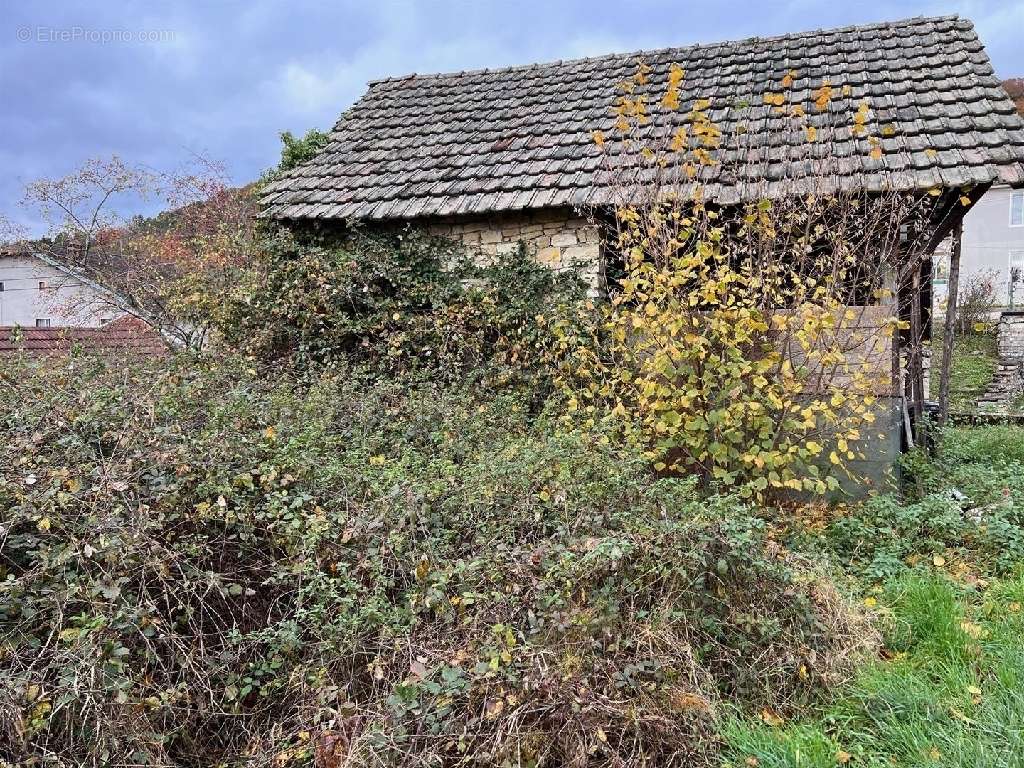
[(158, 82)]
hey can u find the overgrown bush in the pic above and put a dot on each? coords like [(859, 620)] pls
[(750, 333), (202, 564), (960, 511), (976, 299), (401, 300)]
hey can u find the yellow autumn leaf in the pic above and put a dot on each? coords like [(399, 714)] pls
[(823, 96), (938, 561), (842, 757), (789, 78), (422, 568), (599, 138), (376, 461), (770, 717), (973, 630), (812, 133), (43, 524), (870, 602), (876, 152)]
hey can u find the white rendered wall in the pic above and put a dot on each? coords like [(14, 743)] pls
[(65, 301)]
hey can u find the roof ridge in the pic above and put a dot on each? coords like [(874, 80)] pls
[(655, 51)]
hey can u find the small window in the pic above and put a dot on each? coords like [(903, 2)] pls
[(42, 285), (1017, 209), (1, 287), (42, 322)]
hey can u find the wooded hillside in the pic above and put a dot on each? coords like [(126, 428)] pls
[(1015, 87)]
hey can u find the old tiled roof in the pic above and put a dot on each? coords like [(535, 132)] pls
[(519, 138), (125, 336)]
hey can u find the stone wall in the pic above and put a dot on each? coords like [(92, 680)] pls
[(558, 239), (1011, 336)]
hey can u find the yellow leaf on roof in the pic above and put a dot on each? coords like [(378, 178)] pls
[(823, 96)]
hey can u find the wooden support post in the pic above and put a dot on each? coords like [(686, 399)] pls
[(950, 324), (915, 363)]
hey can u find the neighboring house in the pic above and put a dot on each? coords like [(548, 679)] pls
[(992, 248), (48, 308), (38, 292), (504, 156)]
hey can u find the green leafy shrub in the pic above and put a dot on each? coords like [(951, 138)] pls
[(203, 564), (400, 300), (963, 507)]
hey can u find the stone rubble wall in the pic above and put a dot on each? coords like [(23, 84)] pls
[(1008, 382), (1011, 336), (560, 240)]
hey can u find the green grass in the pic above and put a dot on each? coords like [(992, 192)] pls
[(973, 368), (951, 695), (948, 687)]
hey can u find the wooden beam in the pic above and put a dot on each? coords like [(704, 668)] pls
[(950, 324), (953, 212)]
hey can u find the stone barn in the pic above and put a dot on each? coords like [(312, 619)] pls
[(500, 157)]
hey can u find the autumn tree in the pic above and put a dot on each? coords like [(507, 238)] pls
[(1015, 88), (748, 343), (84, 206), (166, 270)]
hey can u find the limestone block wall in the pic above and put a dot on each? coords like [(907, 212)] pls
[(1011, 335), (560, 240)]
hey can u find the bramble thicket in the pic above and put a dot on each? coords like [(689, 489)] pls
[(401, 508)]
